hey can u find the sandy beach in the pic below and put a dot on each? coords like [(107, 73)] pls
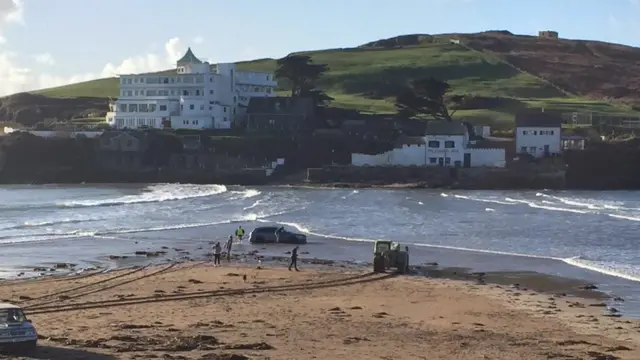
[(196, 311)]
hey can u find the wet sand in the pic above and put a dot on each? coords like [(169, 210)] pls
[(196, 311)]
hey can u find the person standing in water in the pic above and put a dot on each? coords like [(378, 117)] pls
[(294, 259), (240, 233), (227, 247), (217, 250)]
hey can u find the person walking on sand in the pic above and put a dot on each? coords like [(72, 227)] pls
[(294, 259), (217, 250), (240, 233), (227, 247)]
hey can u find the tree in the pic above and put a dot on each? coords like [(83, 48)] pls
[(426, 98), (302, 75)]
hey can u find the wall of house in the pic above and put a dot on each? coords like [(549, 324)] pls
[(57, 133), (493, 157), (532, 140), (435, 152)]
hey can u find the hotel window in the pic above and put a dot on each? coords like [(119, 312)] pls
[(197, 92), (191, 107), (447, 160), (434, 144), (256, 89), (210, 92), (210, 107), (195, 122), (185, 92), (433, 160), (449, 144), (163, 107), (225, 109), (525, 132), (523, 149)]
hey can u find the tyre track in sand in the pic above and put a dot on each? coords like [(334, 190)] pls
[(69, 294), (351, 280)]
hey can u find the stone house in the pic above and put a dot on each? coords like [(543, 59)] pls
[(280, 115)]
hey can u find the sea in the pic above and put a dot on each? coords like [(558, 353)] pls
[(588, 235)]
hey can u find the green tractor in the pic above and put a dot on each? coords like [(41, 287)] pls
[(388, 254)]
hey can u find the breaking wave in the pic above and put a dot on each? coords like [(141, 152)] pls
[(155, 193)]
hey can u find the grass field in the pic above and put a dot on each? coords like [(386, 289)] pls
[(366, 79)]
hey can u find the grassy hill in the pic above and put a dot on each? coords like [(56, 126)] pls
[(482, 65)]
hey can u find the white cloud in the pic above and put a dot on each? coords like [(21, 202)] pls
[(17, 78), (45, 59)]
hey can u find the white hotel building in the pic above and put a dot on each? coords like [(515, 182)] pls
[(196, 97)]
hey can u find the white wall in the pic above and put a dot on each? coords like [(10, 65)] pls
[(493, 157), (57, 133), (533, 140)]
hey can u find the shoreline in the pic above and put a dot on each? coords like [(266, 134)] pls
[(251, 309), (517, 279)]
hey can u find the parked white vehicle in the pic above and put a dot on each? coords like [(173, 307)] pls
[(16, 331)]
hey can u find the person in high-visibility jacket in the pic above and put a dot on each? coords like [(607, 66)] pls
[(240, 233)]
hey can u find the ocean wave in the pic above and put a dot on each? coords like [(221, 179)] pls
[(623, 271), (155, 193), (472, 198)]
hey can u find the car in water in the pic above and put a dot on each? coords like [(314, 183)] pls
[(17, 333), (276, 235)]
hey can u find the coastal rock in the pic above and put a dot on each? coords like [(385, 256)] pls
[(588, 287), (64, 266), (150, 253), (117, 257)]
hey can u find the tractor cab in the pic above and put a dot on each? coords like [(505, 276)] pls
[(388, 254)]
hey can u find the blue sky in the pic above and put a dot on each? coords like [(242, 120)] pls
[(53, 42)]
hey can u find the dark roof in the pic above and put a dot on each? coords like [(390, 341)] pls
[(280, 105), (442, 127), (189, 58), (538, 119)]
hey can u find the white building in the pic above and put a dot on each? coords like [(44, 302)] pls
[(195, 97), (538, 134), (445, 144)]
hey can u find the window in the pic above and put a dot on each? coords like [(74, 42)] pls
[(197, 92), (523, 149), (256, 89), (185, 122), (525, 132), (225, 118), (191, 107), (550, 132), (201, 107), (181, 107), (210, 107), (532, 149), (163, 107), (434, 144), (195, 122), (210, 92), (433, 160), (447, 161), (449, 144), (234, 99), (536, 133), (268, 90), (185, 92), (225, 109)]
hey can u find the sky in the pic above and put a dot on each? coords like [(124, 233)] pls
[(47, 43)]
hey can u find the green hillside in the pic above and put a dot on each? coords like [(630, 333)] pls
[(367, 78)]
